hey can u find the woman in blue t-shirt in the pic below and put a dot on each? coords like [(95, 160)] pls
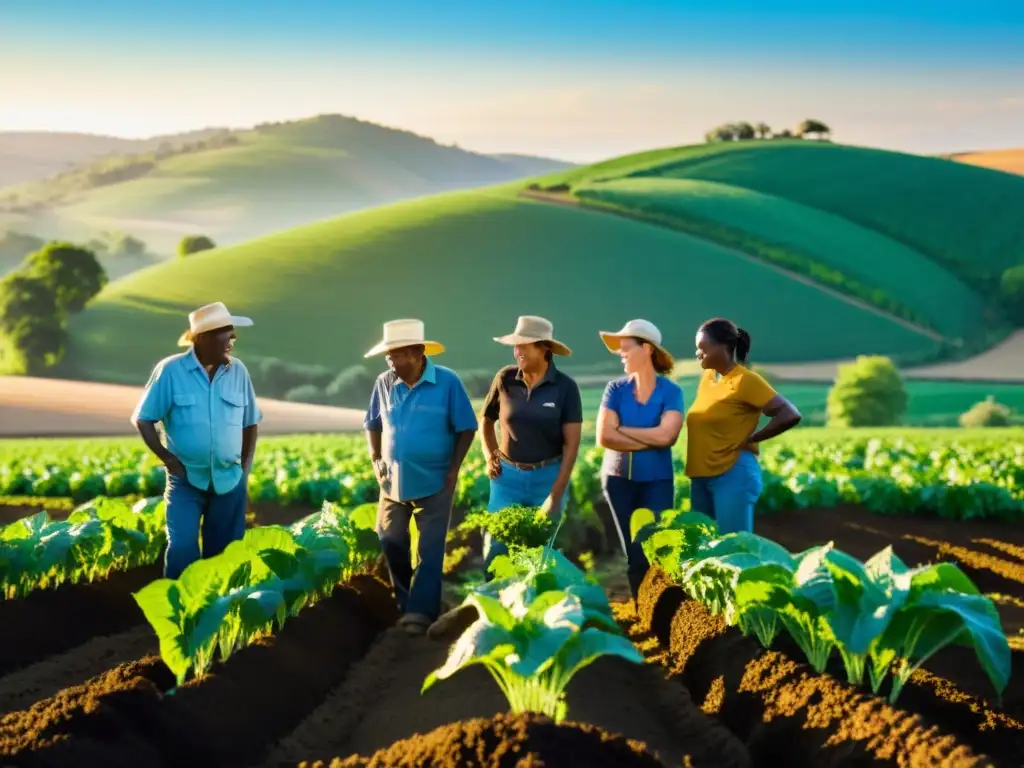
[(640, 419)]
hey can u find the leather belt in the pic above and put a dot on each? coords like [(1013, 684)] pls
[(531, 466)]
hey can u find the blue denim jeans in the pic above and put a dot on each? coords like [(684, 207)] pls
[(417, 591), (625, 496), (222, 517), (729, 498), (527, 487)]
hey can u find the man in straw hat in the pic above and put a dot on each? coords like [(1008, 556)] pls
[(206, 402), (419, 427)]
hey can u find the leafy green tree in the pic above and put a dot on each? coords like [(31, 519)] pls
[(813, 128), (194, 244), (744, 131), (987, 413), (763, 130), (72, 273), (32, 335), (869, 392), (1011, 289)]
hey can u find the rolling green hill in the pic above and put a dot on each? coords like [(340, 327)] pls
[(792, 249), (469, 263), (961, 216), (237, 185)]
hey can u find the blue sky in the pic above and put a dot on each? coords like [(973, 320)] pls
[(580, 80)]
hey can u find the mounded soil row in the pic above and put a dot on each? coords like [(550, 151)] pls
[(51, 621), (132, 715), (379, 705), (787, 714), (509, 741), (20, 689)]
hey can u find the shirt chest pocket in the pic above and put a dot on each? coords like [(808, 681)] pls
[(186, 410), (431, 415), (232, 408)]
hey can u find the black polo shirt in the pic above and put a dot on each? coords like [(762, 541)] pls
[(531, 422)]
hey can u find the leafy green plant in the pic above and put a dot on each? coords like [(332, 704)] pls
[(517, 526)]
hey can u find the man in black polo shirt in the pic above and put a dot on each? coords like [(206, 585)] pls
[(541, 417)]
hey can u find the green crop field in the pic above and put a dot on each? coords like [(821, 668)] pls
[(943, 300), (467, 263)]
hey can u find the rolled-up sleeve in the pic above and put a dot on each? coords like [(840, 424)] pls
[(463, 419), (372, 420), (253, 415), (155, 403)]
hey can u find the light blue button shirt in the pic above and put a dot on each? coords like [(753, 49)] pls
[(203, 420), (418, 427)]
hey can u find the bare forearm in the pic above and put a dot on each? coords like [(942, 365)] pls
[(147, 429), (780, 422), (649, 437), (569, 453), (249, 438), (373, 444), (488, 437), (616, 440), (463, 440)]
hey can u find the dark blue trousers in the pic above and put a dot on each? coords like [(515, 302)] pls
[(222, 517), (625, 497)]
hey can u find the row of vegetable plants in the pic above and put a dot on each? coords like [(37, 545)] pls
[(540, 619), (955, 480), (222, 604), (101, 536), (881, 616)]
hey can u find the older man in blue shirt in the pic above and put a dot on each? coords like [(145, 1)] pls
[(419, 426), (206, 402)]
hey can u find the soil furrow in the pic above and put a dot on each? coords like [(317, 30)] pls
[(787, 714), (130, 716), (381, 704), (22, 688), (56, 620)]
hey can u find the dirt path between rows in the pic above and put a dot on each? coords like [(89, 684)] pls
[(381, 703)]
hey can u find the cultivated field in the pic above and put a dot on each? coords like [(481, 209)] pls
[(31, 407), (301, 662), (1006, 160)]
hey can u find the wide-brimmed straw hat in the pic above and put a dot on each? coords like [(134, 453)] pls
[(638, 329), (529, 330), (405, 333), (210, 318)]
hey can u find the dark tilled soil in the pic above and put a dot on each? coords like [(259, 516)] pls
[(130, 716), (787, 714), (53, 621), (508, 741), (380, 704), (46, 678)]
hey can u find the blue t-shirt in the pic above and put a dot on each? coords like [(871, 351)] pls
[(651, 463)]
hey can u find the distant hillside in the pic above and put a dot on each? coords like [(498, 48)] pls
[(234, 185), (1005, 160), (821, 251), (35, 155)]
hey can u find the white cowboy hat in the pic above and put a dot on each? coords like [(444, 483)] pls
[(638, 329), (405, 333), (529, 330), (210, 318)]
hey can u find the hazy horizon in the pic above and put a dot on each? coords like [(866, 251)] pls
[(566, 80)]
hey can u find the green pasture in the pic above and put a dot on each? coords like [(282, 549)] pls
[(468, 264), (920, 283)]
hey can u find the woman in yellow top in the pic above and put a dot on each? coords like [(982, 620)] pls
[(721, 425)]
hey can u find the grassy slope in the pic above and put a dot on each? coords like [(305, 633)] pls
[(951, 212), (279, 176), (949, 305), (468, 263)]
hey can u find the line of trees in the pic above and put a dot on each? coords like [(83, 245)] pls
[(36, 301), (744, 131)]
